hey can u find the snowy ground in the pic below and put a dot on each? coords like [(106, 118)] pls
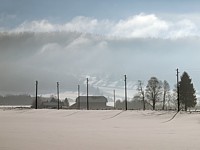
[(98, 130)]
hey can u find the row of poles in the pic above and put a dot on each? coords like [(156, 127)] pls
[(78, 102), (87, 81), (36, 96)]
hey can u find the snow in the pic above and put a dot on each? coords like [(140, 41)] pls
[(14, 106), (29, 129)]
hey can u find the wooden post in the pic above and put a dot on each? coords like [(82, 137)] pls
[(178, 95), (78, 100), (36, 97), (114, 99), (87, 96), (125, 92), (58, 95)]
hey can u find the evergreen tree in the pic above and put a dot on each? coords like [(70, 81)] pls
[(66, 102), (187, 92)]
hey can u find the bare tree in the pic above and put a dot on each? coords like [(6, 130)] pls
[(154, 90), (141, 92), (174, 97), (166, 89)]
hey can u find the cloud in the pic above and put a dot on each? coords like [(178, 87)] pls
[(68, 57), (138, 26), (183, 28), (81, 24), (78, 24), (144, 47), (35, 26)]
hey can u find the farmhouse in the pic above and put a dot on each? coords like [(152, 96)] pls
[(95, 102)]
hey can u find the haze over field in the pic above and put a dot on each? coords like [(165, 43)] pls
[(67, 41)]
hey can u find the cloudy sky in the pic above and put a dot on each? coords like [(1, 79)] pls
[(69, 40)]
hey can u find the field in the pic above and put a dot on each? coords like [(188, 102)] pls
[(28, 129)]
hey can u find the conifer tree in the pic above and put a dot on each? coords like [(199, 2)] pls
[(187, 92)]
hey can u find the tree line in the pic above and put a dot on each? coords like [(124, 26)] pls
[(157, 91), (155, 95), (16, 100)]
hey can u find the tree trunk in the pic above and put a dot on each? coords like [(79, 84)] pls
[(143, 103), (186, 107), (163, 107), (154, 103)]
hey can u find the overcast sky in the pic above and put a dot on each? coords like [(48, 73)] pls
[(67, 40)]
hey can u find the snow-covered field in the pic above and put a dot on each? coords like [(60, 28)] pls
[(29, 129)]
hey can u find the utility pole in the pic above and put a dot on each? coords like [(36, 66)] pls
[(114, 99), (36, 92), (178, 95), (58, 94), (87, 96), (78, 100), (125, 78)]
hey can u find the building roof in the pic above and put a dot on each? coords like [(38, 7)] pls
[(96, 99)]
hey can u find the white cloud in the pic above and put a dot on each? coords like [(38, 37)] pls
[(81, 24), (183, 28), (35, 26), (138, 26)]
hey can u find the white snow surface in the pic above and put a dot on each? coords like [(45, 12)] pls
[(28, 129)]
